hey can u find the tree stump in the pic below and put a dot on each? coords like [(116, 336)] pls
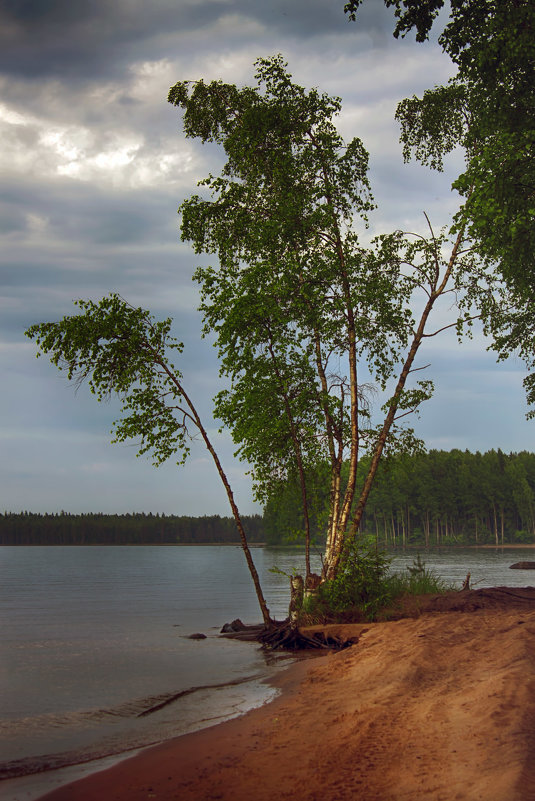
[(297, 587)]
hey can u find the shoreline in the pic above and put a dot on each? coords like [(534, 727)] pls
[(260, 690), (286, 683), (436, 707)]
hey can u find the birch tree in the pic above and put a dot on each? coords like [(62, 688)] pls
[(488, 110), (121, 350), (306, 316)]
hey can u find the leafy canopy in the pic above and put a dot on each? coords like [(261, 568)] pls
[(303, 314), (118, 349), (274, 220), (488, 109)]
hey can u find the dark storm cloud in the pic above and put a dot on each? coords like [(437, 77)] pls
[(84, 214), (64, 240), (87, 39)]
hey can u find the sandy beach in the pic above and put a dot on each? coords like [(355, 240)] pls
[(439, 707)]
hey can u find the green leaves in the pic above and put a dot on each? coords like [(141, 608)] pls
[(419, 14), (299, 308), (287, 167), (434, 125), (122, 350), (488, 110)]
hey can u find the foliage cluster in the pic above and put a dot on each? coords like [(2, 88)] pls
[(488, 110), (305, 317), (119, 349)]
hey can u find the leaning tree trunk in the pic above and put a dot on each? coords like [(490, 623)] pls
[(268, 622)]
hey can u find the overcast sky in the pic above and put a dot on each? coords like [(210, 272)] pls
[(94, 166)]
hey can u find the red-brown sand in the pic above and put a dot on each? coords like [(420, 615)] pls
[(436, 708)]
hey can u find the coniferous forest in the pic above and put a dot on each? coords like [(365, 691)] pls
[(437, 498), (26, 528)]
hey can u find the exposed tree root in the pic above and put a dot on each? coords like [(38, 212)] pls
[(281, 635)]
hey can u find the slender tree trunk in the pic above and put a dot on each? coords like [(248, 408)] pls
[(243, 537), (335, 446), (239, 525), (298, 455), (496, 539), (394, 405), (230, 495), (335, 499), (333, 554), (335, 547), (296, 598)]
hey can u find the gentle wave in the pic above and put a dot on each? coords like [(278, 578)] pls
[(31, 765), (77, 720)]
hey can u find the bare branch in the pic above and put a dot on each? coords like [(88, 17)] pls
[(415, 369), (452, 325)]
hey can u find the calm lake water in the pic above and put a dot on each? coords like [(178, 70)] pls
[(92, 639)]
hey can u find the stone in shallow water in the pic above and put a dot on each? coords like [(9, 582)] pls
[(523, 566), (236, 625)]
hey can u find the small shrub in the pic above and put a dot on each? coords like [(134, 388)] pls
[(358, 591), (365, 587), (421, 580), (523, 536)]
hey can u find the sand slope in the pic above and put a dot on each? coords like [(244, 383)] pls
[(436, 708)]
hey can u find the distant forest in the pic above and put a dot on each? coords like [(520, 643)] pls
[(431, 499), (27, 528)]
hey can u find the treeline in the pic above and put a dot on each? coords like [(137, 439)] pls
[(27, 528), (436, 498)]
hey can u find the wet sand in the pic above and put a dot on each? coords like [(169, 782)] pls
[(440, 707)]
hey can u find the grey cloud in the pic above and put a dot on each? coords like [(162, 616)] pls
[(12, 219), (95, 38), (74, 68), (312, 18), (79, 212), (77, 40), (92, 242)]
